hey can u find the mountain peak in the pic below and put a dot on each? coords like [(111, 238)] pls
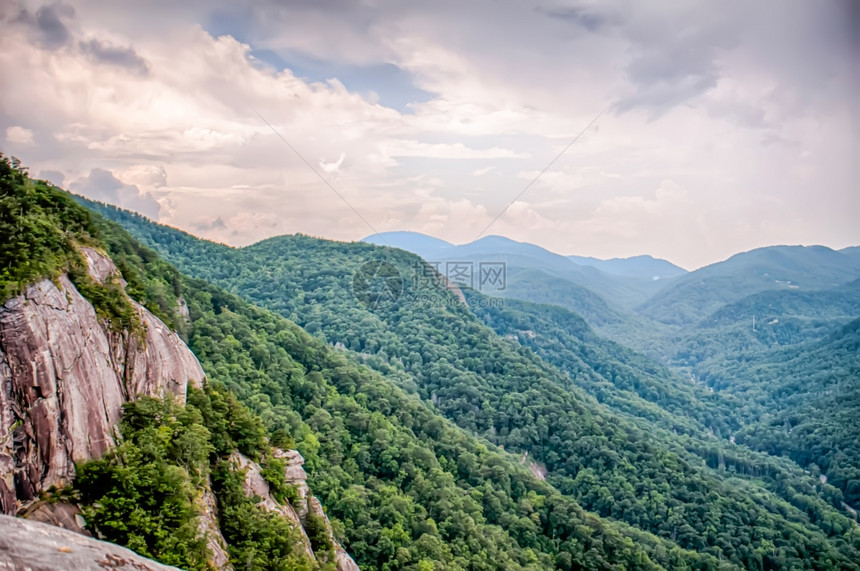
[(415, 242), (643, 266)]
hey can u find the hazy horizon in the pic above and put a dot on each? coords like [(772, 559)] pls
[(724, 127), (491, 235)]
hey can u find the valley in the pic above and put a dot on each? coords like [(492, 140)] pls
[(441, 429), (601, 397), (562, 285)]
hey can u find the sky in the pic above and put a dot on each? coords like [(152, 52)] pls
[(712, 127)]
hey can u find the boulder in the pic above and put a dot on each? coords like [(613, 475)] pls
[(27, 545)]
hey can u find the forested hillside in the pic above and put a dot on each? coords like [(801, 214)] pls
[(700, 293), (493, 388), (625, 380), (144, 493), (405, 488), (760, 321), (793, 402), (405, 485), (802, 402)]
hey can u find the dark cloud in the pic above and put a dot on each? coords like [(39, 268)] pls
[(679, 52), (810, 50), (47, 24), (658, 97), (674, 55), (587, 18), (739, 112), (666, 53), (112, 55), (673, 64), (103, 186), (209, 224)]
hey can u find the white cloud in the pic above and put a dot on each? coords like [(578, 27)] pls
[(715, 111), (332, 167), (148, 175), (20, 135), (412, 148)]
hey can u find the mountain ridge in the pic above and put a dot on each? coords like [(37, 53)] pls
[(703, 291), (617, 290), (424, 245), (410, 398), (642, 266), (456, 377)]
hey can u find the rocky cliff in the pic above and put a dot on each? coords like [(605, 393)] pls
[(65, 372), (297, 513), (207, 526), (64, 375)]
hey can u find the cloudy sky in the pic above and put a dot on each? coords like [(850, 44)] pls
[(726, 125)]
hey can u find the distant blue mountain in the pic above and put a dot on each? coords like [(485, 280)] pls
[(537, 265), (702, 292), (852, 252), (646, 267), (415, 242)]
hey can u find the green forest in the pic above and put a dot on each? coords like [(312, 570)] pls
[(448, 433), (141, 494), (508, 395)]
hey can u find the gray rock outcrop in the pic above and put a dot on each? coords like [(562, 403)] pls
[(27, 545), (64, 375), (295, 475), (256, 485), (207, 527), (342, 559)]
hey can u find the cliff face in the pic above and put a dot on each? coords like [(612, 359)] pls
[(295, 475), (64, 375), (207, 526)]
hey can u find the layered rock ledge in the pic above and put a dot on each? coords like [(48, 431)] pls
[(33, 546)]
